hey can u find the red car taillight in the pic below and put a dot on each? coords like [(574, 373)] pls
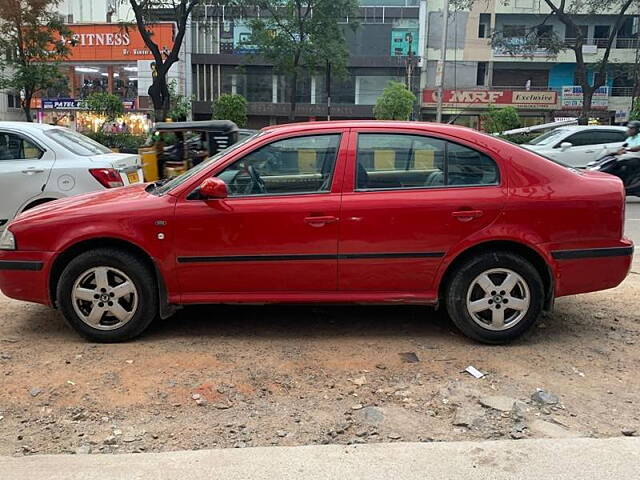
[(108, 177)]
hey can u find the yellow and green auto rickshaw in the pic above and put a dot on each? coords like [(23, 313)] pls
[(178, 146)]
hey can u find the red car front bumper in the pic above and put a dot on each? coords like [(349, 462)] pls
[(25, 275)]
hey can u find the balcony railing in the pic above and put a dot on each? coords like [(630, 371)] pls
[(632, 42)]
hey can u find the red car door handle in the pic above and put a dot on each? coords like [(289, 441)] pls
[(320, 221), (467, 215)]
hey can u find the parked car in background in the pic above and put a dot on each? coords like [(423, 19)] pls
[(330, 212), (40, 163), (578, 146)]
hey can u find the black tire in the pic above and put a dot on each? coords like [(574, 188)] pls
[(141, 276), (462, 279)]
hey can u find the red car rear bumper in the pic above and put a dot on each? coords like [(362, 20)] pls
[(590, 270)]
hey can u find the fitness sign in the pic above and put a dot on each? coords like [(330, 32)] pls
[(113, 42)]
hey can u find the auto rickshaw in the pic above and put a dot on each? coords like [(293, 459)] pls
[(194, 142)]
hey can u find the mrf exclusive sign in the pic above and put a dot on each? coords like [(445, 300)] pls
[(483, 98)]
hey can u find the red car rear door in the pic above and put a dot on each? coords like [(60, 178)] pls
[(408, 198), (277, 234)]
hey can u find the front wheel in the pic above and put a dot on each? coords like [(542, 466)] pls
[(107, 295), (495, 297)]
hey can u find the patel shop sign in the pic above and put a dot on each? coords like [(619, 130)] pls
[(483, 98)]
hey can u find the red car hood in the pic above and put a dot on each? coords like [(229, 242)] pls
[(78, 203)]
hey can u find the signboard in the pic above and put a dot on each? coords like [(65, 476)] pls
[(72, 104), (241, 38), (572, 98), (401, 39), (484, 98), (112, 42)]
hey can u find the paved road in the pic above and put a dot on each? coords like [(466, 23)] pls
[(584, 458), (632, 226), (633, 219)]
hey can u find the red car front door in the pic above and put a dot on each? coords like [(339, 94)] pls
[(278, 228), (408, 198)]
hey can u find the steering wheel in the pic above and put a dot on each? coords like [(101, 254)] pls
[(256, 181)]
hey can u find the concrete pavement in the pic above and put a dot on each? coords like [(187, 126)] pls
[(583, 458), (632, 227)]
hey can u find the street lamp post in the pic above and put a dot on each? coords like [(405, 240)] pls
[(441, 62)]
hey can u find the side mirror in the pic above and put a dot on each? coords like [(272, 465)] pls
[(213, 187), (565, 146)]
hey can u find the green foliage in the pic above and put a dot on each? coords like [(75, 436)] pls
[(104, 104), (635, 110), (124, 142), (230, 107), (498, 120), (395, 103), (521, 138), (33, 41), (180, 105)]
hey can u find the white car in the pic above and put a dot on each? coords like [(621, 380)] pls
[(40, 163), (578, 146)]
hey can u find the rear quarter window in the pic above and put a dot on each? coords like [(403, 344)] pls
[(76, 143)]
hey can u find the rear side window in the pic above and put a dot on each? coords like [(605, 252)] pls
[(398, 161), (76, 143)]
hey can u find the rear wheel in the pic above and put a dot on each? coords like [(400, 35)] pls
[(495, 297), (107, 295)]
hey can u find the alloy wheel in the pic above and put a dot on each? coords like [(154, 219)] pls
[(104, 298), (498, 299)]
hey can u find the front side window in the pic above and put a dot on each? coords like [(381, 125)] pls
[(398, 161), (14, 147), (290, 166)]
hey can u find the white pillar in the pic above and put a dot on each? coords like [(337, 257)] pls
[(313, 90), (274, 88)]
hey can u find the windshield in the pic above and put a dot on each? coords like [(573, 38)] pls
[(548, 137), (179, 180), (76, 143)]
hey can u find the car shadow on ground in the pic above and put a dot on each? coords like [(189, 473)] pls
[(303, 322)]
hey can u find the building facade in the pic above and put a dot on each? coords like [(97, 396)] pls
[(220, 63), (542, 87)]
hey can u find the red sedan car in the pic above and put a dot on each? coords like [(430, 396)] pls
[(336, 212)]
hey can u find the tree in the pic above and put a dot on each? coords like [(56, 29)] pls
[(498, 120), (32, 41), (302, 35), (567, 11), (231, 107), (104, 104), (146, 13), (395, 103)]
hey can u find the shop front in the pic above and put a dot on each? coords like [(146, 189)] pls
[(106, 58), (467, 107)]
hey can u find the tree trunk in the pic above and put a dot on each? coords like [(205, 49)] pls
[(26, 108), (293, 95), (159, 93), (587, 96)]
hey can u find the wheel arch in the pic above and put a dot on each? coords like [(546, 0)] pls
[(527, 252), (37, 202), (82, 246)]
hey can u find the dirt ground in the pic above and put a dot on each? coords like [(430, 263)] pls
[(242, 376)]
